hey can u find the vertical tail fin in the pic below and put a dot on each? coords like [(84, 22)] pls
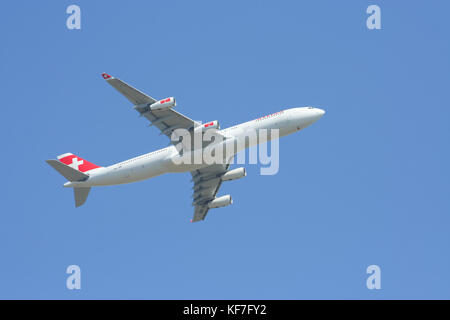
[(76, 162)]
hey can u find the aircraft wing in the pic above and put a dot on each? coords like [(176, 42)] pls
[(207, 182), (165, 120)]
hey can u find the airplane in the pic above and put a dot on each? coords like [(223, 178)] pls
[(82, 175)]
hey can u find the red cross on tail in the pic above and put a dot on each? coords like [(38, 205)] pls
[(76, 162)]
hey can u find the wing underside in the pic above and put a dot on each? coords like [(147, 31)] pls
[(207, 182), (165, 120)]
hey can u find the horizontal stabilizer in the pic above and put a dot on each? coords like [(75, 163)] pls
[(69, 173), (81, 195)]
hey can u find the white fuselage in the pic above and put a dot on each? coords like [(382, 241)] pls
[(163, 161)]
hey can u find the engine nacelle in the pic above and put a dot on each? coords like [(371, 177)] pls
[(163, 104), (209, 125), (234, 174), (222, 201)]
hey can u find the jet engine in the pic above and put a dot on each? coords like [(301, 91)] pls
[(222, 201), (234, 174), (209, 125), (163, 104)]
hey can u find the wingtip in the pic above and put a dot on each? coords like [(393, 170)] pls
[(106, 76)]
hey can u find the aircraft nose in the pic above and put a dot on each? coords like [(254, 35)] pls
[(318, 113)]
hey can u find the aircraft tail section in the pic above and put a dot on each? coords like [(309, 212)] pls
[(76, 162), (66, 171), (74, 169), (80, 195)]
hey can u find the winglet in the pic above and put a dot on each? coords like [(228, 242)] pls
[(106, 76)]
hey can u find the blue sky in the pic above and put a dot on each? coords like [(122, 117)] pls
[(367, 184)]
